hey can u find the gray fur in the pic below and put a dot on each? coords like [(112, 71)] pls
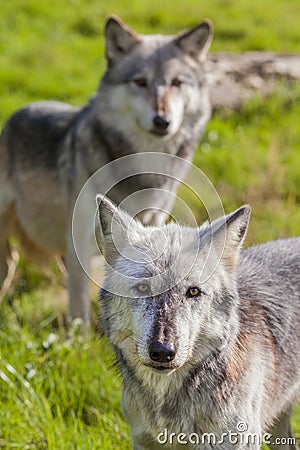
[(237, 344), (49, 149)]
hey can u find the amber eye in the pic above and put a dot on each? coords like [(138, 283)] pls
[(176, 82), (141, 82), (142, 288), (193, 292)]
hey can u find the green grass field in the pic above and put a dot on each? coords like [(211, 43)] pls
[(58, 390)]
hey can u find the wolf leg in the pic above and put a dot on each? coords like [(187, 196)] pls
[(4, 261), (8, 264), (8, 259), (282, 432), (78, 286)]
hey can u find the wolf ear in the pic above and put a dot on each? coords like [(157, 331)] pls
[(107, 211), (237, 226), (228, 235), (120, 39), (196, 41), (114, 224)]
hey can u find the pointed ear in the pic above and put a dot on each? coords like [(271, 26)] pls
[(120, 39), (114, 223), (107, 211), (196, 41), (236, 227), (228, 235)]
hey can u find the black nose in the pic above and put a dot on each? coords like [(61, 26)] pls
[(161, 123), (163, 353)]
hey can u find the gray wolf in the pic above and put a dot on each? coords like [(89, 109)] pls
[(206, 335), (153, 97)]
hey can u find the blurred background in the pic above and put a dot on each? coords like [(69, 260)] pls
[(57, 390)]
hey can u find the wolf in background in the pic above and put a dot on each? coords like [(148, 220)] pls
[(153, 97), (206, 336)]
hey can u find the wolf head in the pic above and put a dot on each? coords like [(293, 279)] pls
[(153, 81), (170, 295)]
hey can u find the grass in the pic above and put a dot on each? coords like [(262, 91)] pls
[(58, 390)]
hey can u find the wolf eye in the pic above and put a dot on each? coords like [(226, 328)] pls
[(176, 82), (141, 82), (142, 288), (193, 292)]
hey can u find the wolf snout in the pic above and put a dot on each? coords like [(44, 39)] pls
[(162, 352), (161, 124)]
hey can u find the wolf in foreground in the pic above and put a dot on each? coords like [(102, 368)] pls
[(153, 98), (207, 337)]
